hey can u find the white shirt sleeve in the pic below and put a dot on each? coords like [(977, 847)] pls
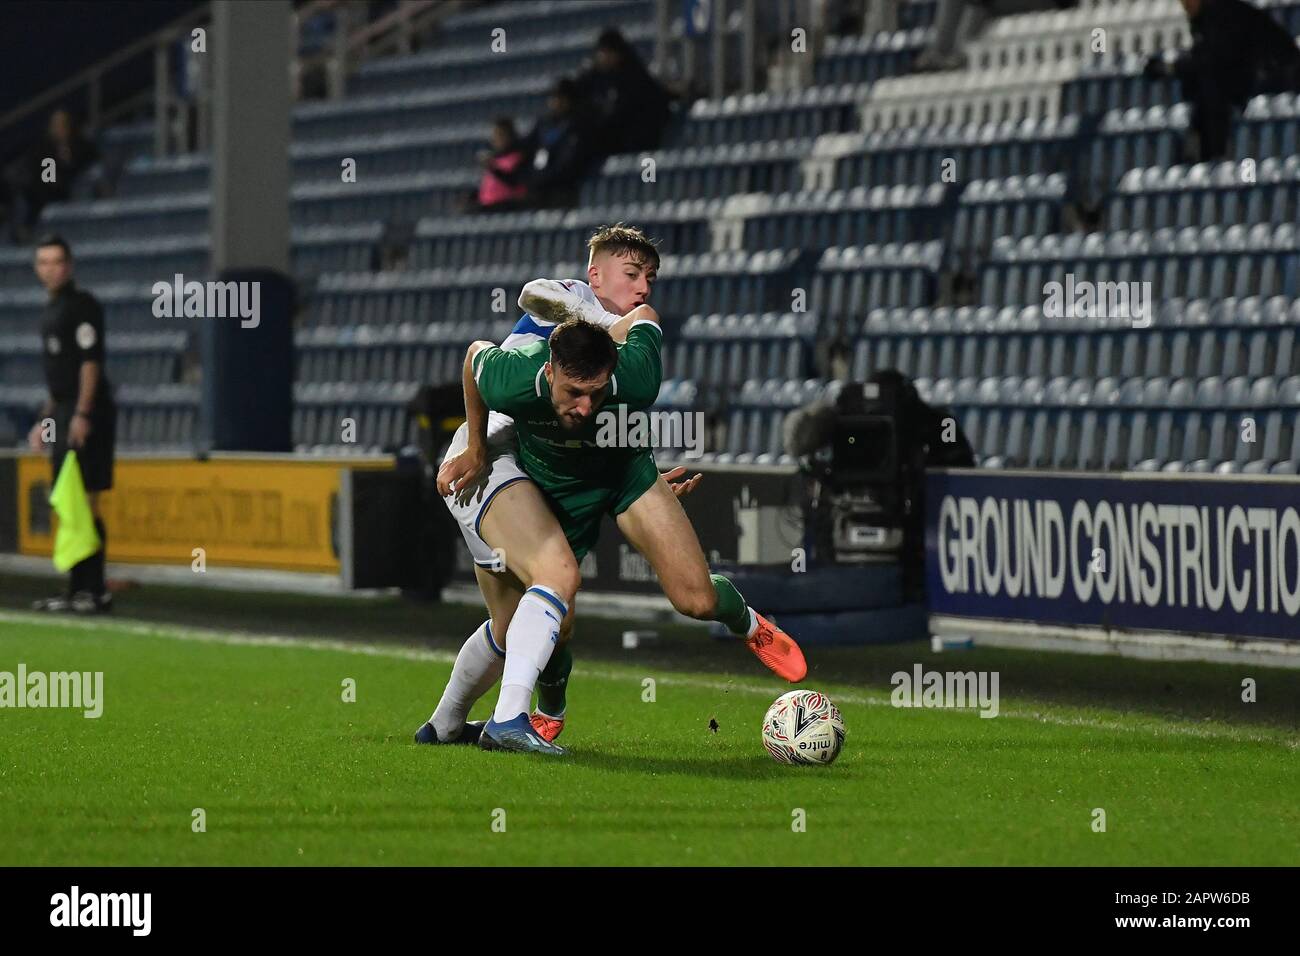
[(554, 300)]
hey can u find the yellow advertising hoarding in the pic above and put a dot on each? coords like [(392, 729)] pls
[(243, 511)]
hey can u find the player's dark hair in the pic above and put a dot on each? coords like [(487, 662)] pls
[(583, 349), (506, 124), (621, 240), (54, 239)]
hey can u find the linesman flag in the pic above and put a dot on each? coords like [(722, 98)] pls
[(76, 538)]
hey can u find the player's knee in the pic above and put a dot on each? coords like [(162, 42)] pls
[(562, 577), (698, 603), (570, 579)]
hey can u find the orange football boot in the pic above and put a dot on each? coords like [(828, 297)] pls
[(548, 728), (778, 651)]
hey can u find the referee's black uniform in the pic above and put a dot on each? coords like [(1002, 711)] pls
[(72, 332)]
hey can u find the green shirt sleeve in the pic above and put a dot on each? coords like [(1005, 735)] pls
[(507, 380), (640, 368)]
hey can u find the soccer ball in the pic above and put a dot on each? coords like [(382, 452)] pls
[(803, 726)]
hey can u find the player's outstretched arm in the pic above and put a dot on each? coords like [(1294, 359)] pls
[(556, 300), (640, 369), (476, 410), (464, 471)]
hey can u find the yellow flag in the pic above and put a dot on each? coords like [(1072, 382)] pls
[(76, 538)]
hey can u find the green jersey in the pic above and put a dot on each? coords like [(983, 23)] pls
[(561, 460)]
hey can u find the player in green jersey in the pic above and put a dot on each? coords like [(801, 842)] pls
[(553, 392)]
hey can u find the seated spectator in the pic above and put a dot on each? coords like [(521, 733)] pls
[(73, 156), (505, 170), (632, 107), (1238, 51), (956, 22), (561, 148)]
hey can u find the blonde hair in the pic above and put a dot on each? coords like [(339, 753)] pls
[(621, 240)]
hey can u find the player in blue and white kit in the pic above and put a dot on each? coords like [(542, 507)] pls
[(546, 303)]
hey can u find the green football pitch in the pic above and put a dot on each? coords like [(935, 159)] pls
[(250, 736)]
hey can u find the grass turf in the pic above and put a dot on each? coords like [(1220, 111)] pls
[(258, 736)]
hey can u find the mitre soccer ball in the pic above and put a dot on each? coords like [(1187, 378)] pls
[(803, 726)]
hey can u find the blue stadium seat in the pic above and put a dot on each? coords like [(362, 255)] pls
[(867, 58)]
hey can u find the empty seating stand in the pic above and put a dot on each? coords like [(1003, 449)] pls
[(706, 172), (1186, 263), (921, 156), (800, 230), (753, 432), (368, 373), (758, 117), (1130, 138), (1268, 127), (865, 59), (1016, 206), (890, 275), (721, 352), (727, 281), (1227, 193), (819, 220), (551, 235)]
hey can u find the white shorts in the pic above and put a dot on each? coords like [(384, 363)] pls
[(504, 469)]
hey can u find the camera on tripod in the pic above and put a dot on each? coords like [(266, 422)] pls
[(865, 448), (859, 470)]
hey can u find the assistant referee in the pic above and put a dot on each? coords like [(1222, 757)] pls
[(79, 413)]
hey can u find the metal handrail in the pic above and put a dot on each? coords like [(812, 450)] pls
[(91, 75), (394, 31), (397, 29)]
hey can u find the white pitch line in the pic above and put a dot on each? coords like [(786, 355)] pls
[(394, 652)]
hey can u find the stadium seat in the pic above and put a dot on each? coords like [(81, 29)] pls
[(838, 189)]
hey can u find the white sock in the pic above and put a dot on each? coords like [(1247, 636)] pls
[(478, 666), (532, 635), (753, 622)]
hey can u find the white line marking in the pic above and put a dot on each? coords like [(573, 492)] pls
[(881, 699)]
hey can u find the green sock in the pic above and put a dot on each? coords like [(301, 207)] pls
[(553, 681), (732, 610)]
